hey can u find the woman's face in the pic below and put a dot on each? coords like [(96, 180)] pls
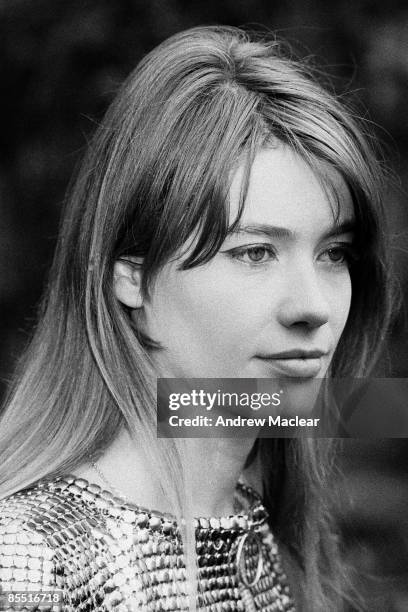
[(274, 300)]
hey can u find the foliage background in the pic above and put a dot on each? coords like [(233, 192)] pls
[(61, 62)]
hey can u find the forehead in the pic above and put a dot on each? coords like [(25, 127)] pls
[(285, 191)]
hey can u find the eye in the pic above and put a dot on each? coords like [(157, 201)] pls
[(341, 254), (254, 254), (337, 255)]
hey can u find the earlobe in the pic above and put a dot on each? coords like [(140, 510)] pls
[(127, 281)]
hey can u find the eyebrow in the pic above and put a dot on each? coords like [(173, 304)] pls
[(272, 231)]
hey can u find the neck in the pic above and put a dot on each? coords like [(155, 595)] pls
[(215, 466), (212, 468)]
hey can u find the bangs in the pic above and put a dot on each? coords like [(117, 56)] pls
[(212, 230)]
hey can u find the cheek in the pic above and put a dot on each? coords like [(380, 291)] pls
[(203, 304), (212, 309)]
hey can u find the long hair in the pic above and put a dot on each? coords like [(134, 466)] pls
[(158, 172)]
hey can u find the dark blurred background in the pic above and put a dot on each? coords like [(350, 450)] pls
[(61, 63)]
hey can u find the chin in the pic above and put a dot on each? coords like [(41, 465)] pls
[(302, 395)]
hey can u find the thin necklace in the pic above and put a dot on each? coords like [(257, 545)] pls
[(102, 476), (239, 504)]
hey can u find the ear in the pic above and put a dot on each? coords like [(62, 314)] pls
[(127, 281)]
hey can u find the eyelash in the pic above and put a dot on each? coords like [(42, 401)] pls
[(347, 250)]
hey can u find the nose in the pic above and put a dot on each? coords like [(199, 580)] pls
[(303, 304)]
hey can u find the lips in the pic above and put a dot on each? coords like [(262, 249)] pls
[(296, 363)]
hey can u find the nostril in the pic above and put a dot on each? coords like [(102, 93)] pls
[(297, 317), (314, 321)]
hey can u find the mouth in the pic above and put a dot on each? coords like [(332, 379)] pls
[(296, 363)]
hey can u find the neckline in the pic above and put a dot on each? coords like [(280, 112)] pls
[(254, 515)]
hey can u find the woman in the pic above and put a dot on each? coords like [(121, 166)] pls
[(227, 222)]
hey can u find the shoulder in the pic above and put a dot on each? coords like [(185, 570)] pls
[(72, 518), (52, 512), (41, 528), (87, 536), (45, 509), (27, 558)]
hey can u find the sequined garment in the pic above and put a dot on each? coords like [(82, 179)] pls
[(104, 554)]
